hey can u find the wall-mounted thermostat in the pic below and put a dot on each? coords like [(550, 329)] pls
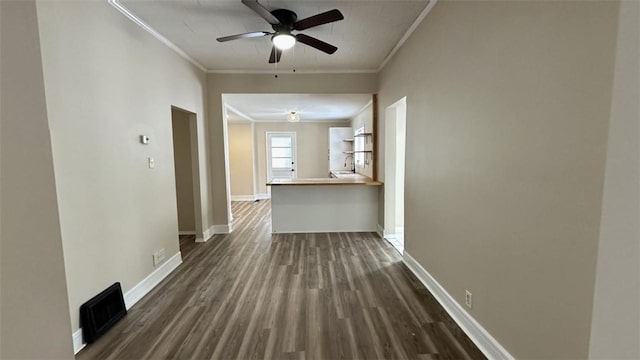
[(144, 139)]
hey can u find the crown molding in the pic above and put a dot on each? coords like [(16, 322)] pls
[(407, 34), (116, 4), (290, 72), (239, 113), (370, 102), (302, 121), (121, 8)]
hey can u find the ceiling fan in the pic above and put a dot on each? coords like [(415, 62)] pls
[(285, 21)]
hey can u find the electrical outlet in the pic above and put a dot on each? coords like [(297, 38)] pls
[(468, 299), (158, 257)]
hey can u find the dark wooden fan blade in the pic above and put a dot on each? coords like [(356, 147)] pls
[(316, 43), (276, 54), (243, 36), (320, 19), (262, 11)]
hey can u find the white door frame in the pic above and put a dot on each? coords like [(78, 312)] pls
[(294, 155), (195, 171), (393, 113)]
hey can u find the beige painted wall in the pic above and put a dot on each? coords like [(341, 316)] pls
[(312, 141), (33, 291), (365, 119), (615, 329), (241, 159), (218, 84), (107, 81), (507, 117), (183, 174)]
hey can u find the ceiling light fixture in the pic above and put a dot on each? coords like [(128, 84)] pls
[(293, 117), (283, 41)]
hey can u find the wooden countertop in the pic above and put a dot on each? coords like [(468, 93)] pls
[(324, 181)]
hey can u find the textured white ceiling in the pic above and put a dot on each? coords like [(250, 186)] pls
[(368, 33), (311, 107)]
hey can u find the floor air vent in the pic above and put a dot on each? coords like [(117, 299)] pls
[(100, 313)]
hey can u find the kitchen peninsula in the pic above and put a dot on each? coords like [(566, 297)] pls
[(342, 204)]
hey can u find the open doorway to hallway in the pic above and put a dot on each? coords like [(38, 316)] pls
[(395, 145), (187, 178)]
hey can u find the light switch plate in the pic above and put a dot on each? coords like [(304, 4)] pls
[(152, 163)]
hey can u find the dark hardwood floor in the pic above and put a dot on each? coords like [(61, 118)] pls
[(251, 295)]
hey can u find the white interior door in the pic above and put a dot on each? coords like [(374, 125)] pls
[(281, 155)]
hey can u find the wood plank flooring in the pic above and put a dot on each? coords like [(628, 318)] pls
[(253, 295)]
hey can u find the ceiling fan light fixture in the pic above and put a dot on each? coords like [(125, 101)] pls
[(293, 117), (283, 41)]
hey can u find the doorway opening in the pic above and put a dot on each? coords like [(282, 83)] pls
[(395, 147), (187, 176), (281, 156)]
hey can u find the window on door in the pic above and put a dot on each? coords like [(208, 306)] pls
[(281, 156)]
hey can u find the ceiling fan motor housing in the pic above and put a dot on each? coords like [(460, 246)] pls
[(287, 19)]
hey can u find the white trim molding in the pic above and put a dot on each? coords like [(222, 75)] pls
[(138, 21), (263, 196), (408, 33), (206, 235), (222, 229), (126, 12), (186, 232), (243, 198), (380, 231), (142, 288), (78, 341), (370, 102), (285, 72), (238, 112), (215, 229), (489, 346), (137, 292)]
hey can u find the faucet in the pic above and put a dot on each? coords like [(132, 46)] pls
[(353, 163)]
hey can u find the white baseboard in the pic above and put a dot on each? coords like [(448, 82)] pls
[(262, 197), (222, 229), (243, 197), (380, 231), (137, 292), (215, 229), (142, 288), (323, 231), (186, 232), (78, 341), (206, 235), (481, 337)]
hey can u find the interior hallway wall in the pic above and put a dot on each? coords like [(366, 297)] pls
[(107, 81), (507, 116), (241, 148), (33, 289)]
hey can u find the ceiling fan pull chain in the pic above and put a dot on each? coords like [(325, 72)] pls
[(293, 59), (276, 64)]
